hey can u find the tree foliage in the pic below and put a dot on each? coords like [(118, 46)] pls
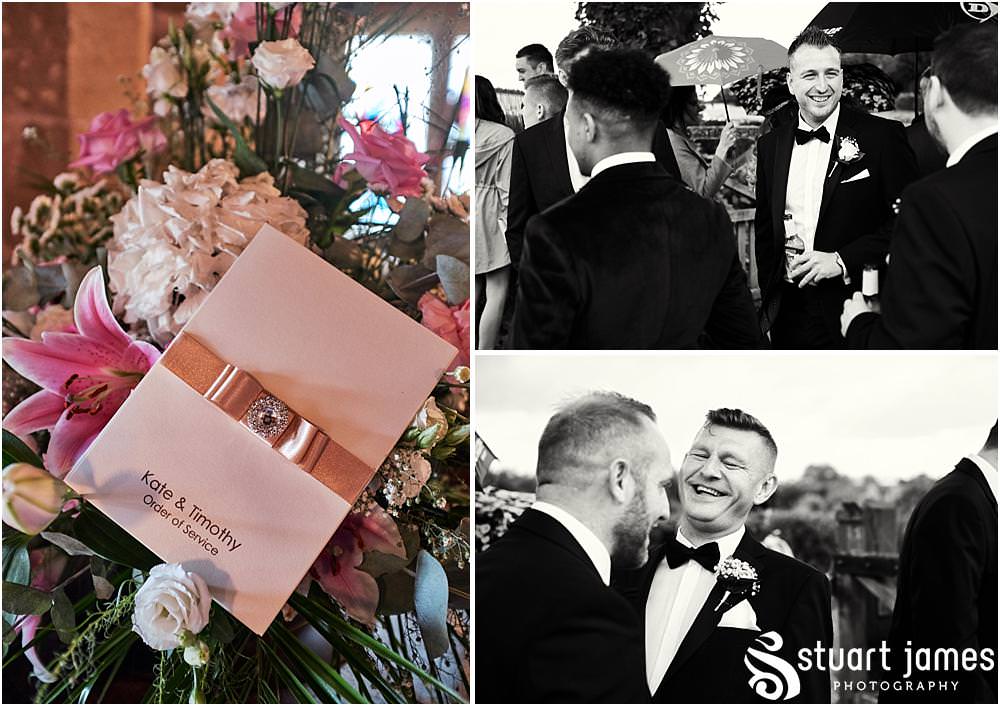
[(654, 27)]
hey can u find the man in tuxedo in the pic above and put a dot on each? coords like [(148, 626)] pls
[(544, 98), (549, 629), (702, 645), (532, 60), (543, 168), (941, 281), (837, 172), (635, 259), (946, 593)]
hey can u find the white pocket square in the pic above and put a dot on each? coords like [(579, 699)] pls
[(863, 174), (741, 616)]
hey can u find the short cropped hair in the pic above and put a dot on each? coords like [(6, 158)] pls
[(738, 419), (552, 92), (583, 429), (991, 439), (535, 54), (811, 36), (623, 82), (580, 39), (965, 61)]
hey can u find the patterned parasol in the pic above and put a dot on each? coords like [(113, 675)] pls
[(721, 60)]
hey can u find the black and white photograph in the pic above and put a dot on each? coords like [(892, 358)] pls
[(724, 528), (736, 175)]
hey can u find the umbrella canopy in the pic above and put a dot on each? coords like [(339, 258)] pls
[(895, 27), (721, 60), (867, 84)]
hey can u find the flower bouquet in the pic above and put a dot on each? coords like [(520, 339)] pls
[(250, 118)]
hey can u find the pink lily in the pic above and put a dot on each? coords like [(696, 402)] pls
[(85, 377), (337, 570)]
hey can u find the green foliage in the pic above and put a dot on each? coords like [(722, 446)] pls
[(16, 451), (653, 27)]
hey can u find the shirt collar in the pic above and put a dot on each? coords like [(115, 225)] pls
[(727, 544), (619, 159), (595, 549), (989, 472), (971, 141), (830, 123)]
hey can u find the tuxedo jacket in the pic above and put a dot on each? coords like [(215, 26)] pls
[(635, 260), (709, 667), (856, 212), (940, 288), (548, 630), (946, 594), (539, 175)]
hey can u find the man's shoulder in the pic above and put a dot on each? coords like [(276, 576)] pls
[(956, 490), (862, 120), (540, 133), (793, 573)]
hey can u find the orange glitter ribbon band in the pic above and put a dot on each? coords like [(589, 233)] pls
[(240, 396)]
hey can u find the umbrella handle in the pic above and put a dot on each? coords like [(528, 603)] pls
[(722, 90)]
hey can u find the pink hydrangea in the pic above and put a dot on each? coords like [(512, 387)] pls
[(449, 322), (390, 163), (114, 139)]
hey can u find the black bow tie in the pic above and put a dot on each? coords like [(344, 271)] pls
[(678, 554), (803, 136)]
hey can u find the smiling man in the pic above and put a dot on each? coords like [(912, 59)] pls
[(831, 178), (696, 637)]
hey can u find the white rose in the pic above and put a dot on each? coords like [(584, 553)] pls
[(171, 603), (163, 74), (204, 14), (849, 150), (238, 101), (429, 415), (283, 63)]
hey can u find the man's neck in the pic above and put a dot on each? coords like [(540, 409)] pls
[(964, 128), (586, 517), (698, 536)]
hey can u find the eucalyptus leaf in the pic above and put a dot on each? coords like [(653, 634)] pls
[(430, 598), (446, 235), (71, 546), (395, 593), (24, 600), (409, 282), (9, 635), (63, 616), (16, 451), (221, 625), (16, 562), (328, 87), (103, 588), (110, 541), (378, 563), (454, 276), (247, 161), (412, 220)]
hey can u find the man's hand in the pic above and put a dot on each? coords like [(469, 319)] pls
[(813, 266), (852, 307)]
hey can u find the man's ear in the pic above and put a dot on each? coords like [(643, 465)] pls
[(540, 112), (936, 95), (620, 480), (590, 127), (766, 489)]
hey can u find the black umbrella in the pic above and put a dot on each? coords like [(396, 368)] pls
[(895, 27)]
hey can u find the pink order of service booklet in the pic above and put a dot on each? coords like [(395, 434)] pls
[(248, 518)]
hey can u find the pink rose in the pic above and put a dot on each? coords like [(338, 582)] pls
[(449, 322), (113, 139), (389, 163)]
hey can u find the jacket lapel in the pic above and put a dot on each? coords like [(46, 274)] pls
[(555, 143), (708, 618), (845, 128), (782, 162)]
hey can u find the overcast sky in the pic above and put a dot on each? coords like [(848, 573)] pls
[(501, 28), (888, 414)]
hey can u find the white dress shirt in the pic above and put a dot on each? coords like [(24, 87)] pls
[(807, 172), (594, 547), (575, 175), (971, 141), (989, 472), (676, 596), (616, 160)]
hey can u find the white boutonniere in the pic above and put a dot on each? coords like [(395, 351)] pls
[(848, 152), (738, 578)]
